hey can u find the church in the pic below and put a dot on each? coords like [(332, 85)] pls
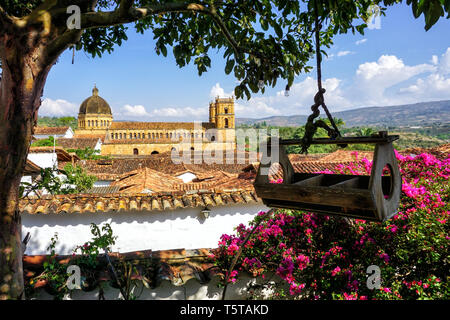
[(95, 119)]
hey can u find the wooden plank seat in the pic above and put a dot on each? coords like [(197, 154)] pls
[(375, 197)]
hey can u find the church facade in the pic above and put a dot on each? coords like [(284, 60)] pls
[(145, 138)]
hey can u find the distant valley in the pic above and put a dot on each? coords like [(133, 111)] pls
[(418, 114)]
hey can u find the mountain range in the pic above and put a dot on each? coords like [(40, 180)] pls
[(418, 114)]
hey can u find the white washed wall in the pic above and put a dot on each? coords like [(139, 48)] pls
[(44, 159), (155, 230)]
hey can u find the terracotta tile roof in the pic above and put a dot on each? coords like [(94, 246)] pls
[(141, 141), (103, 190), (114, 168), (50, 130), (130, 125), (177, 266), (441, 152), (31, 169), (306, 157), (62, 155), (94, 203), (145, 180), (345, 156), (77, 143), (101, 136)]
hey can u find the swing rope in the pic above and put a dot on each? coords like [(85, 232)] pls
[(311, 126)]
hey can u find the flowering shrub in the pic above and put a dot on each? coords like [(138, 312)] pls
[(324, 257)]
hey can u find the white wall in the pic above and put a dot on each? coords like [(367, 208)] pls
[(98, 146), (69, 133), (155, 230), (44, 159), (187, 177)]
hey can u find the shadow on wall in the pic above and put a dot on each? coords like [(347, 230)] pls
[(38, 241)]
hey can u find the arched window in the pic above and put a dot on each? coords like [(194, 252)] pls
[(135, 151), (135, 135), (167, 135), (226, 123), (226, 110), (120, 135), (89, 123), (117, 136), (96, 123), (112, 136)]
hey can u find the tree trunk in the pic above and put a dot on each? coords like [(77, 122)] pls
[(21, 87)]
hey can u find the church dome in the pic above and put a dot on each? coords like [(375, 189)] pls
[(95, 104)]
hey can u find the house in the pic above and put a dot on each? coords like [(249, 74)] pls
[(160, 221), (30, 172), (49, 157), (76, 142), (109, 170), (56, 132)]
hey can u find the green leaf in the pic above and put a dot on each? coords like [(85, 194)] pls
[(230, 65)]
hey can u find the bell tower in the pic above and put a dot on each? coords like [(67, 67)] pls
[(221, 113)]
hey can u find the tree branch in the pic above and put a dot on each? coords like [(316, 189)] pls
[(124, 7), (5, 19), (61, 43), (126, 14)]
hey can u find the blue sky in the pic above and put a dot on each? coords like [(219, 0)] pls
[(399, 63)]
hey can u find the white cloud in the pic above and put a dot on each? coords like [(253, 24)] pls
[(139, 112), (444, 65), (434, 60), (186, 113), (374, 78), (360, 41), (387, 81), (433, 87), (218, 91), (344, 53), (57, 108), (134, 111)]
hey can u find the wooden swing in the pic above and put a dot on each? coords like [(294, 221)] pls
[(375, 197)]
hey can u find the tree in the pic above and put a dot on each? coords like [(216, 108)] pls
[(49, 142), (365, 132), (87, 154), (262, 40), (75, 180)]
